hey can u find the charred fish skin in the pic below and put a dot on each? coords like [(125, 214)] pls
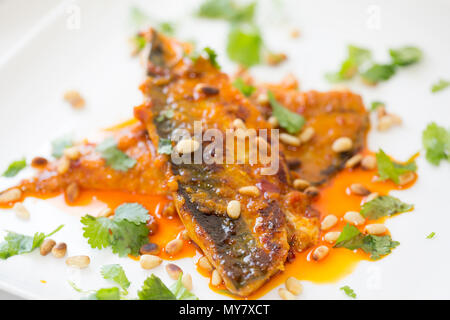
[(247, 250)]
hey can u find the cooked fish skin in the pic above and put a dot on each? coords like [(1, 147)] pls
[(90, 171), (332, 115), (246, 251)]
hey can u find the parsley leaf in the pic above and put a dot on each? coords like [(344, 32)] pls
[(436, 141), (440, 85), (114, 157), (356, 57), (164, 146), (405, 56), (351, 238), (15, 243), (384, 206), (349, 291), (227, 10), (431, 235), (244, 45), (60, 144), (388, 169), (288, 120), (125, 233), (378, 72), (375, 105), (116, 273), (246, 89), (154, 289), (15, 167)]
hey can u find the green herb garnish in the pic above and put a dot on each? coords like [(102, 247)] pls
[(440, 85), (164, 146), (436, 141), (388, 169), (405, 56), (154, 289), (125, 233), (59, 145), (246, 89), (244, 45), (378, 72), (384, 206), (114, 157), (227, 10), (15, 243), (116, 273), (375, 105), (356, 57), (14, 168), (431, 235), (349, 291), (287, 119)]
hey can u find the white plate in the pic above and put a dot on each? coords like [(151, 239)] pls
[(54, 56)]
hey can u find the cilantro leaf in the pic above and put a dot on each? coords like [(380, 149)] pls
[(378, 72), (436, 141), (440, 85), (349, 291), (116, 273), (97, 231), (351, 238), (405, 56), (154, 289), (287, 119), (431, 235), (378, 246), (114, 157), (180, 292), (132, 212), (356, 57), (388, 169), (227, 10), (125, 233), (15, 167), (60, 144), (375, 105), (384, 206), (15, 243), (246, 89), (164, 146), (244, 45)]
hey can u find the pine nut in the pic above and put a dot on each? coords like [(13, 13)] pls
[(381, 112), (371, 197), (59, 250), (186, 280), (406, 178), (369, 162), (174, 246), (307, 134), (273, 122), (320, 252), (289, 139), (173, 271), (354, 161), (149, 261), (354, 218), (301, 184), (187, 146), (294, 286), (75, 99), (234, 209), (149, 248), (251, 191), (375, 229), (204, 263), (72, 192), (312, 192), (331, 236), (46, 247), (387, 121), (21, 211), (80, 262), (39, 162), (216, 279), (239, 124), (342, 144), (328, 222), (63, 165), (10, 195), (72, 153), (359, 189), (185, 235), (285, 294), (263, 98)]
